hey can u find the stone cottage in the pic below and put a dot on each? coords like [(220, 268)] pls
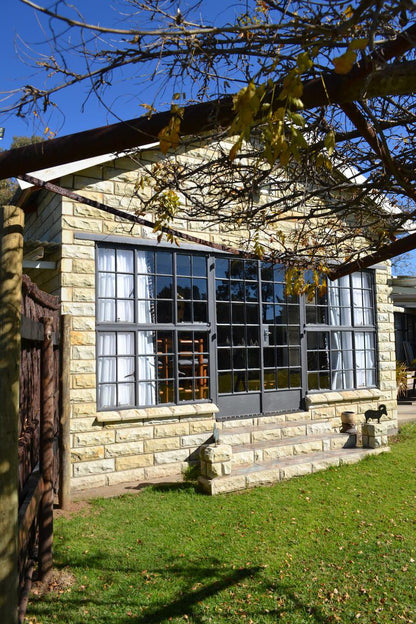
[(183, 352)]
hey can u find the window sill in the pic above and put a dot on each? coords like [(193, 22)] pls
[(197, 410), (342, 396)]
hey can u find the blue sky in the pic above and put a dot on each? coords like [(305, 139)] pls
[(22, 33)]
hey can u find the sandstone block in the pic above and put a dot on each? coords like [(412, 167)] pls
[(83, 366), (165, 470), (83, 266), (94, 438), (195, 440), (93, 467), (85, 394), (126, 476), (132, 434), (83, 352), (170, 457), (200, 426), (133, 461), (87, 453), (263, 477), (296, 470), (83, 381), (85, 483), (217, 453), (124, 448), (171, 429), (81, 424), (161, 444)]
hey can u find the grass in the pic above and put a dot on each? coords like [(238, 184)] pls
[(336, 546)]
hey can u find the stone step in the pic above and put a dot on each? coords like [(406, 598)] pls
[(256, 421), (271, 450), (266, 473), (252, 434)]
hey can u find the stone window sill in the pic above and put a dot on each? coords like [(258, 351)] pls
[(197, 410)]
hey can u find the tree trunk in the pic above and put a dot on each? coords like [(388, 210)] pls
[(12, 221)]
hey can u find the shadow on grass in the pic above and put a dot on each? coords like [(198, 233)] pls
[(196, 586)]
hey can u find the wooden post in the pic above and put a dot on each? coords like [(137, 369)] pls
[(65, 450), (11, 232), (46, 452)]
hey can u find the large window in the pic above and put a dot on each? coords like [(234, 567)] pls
[(152, 327), (171, 331), (341, 338)]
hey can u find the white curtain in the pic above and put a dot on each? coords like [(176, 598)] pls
[(106, 351), (342, 352), (145, 339), (106, 286)]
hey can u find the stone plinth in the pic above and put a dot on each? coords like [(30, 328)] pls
[(216, 460), (375, 435)]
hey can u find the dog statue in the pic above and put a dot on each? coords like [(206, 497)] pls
[(371, 414)]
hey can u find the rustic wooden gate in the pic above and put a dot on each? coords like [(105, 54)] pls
[(38, 432)]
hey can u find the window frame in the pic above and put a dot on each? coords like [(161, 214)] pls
[(354, 330)]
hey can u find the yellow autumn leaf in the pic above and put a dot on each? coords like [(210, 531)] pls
[(343, 64)]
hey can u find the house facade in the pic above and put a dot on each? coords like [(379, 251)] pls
[(171, 342)]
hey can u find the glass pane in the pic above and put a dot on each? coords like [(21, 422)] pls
[(107, 395), (253, 380), (283, 378), (145, 262), (125, 286), (164, 288), (147, 393), (125, 369), (224, 383), (252, 291), (237, 291), (224, 336), (125, 261), (224, 359), (238, 313), (221, 268), (199, 265), (165, 392), (268, 355), (253, 358), (165, 366), (106, 285), (267, 272), (145, 342), (125, 311), (239, 337), (199, 290), (240, 381), (106, 343), (106, 370), (184, 288), (222, 290), (293, 314), (125, 343), (186, 390), (106, 259), (125, 394), (295, 379), (279, 293), (164, 262), (267, 293), (183, 264), (164, 312), (146, 367), (252, 314), (200, 313), (223, 313), (106, 311), (164, 342), (237, 269), (270, 381), (184, 310), (253, 338)]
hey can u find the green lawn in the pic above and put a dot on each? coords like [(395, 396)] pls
[(337, 546)]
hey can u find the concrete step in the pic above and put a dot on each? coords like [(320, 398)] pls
[(265, 473)]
